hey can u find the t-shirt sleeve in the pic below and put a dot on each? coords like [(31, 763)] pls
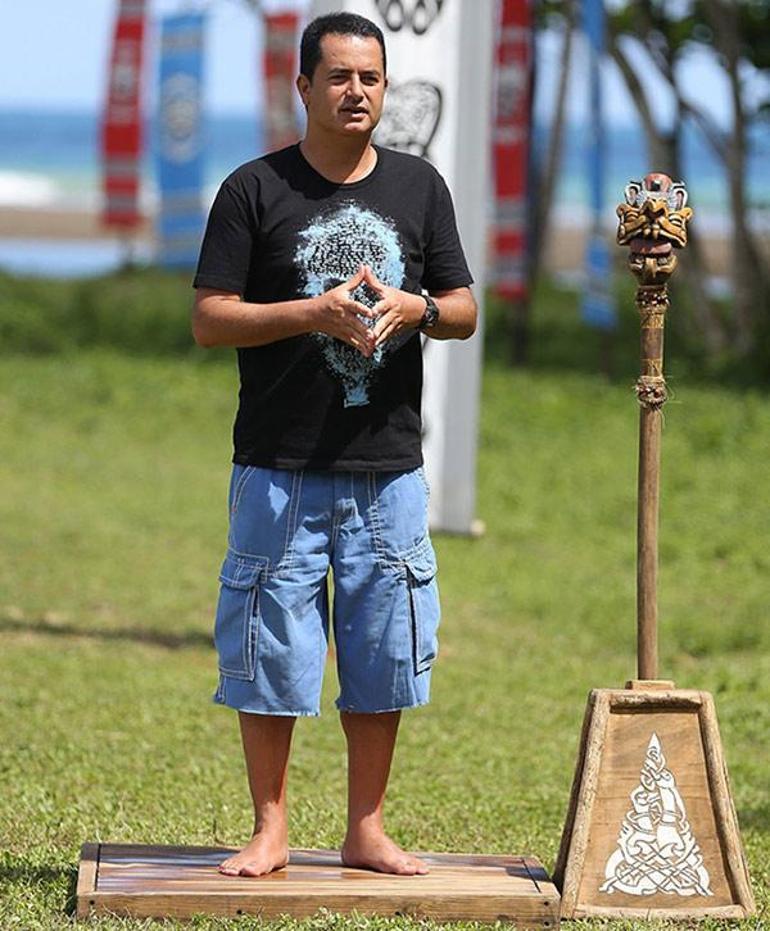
[(445, 265), (227, 243)]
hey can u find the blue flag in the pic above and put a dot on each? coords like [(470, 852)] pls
[(179, 140), (598, 306)]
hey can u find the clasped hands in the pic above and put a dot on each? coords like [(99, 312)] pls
[(338, 315)]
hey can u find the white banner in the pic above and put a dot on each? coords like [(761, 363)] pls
[(438, 105)]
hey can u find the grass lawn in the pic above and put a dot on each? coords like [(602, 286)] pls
[(113, 480)]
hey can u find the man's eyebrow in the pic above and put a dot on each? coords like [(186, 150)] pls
[(367, 71)]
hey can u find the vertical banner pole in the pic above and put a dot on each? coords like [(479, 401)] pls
[(598, 308), (121, 136), (279, 62), (180, 143), (511, 134)]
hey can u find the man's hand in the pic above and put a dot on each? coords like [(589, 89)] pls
[(396, 310), (338, 315)]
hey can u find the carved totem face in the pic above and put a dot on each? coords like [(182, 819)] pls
[(655, 215)]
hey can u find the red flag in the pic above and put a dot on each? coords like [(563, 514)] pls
[(511, 147), (122, 123), (280, 67)]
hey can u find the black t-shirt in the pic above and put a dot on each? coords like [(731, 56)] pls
[(278, 231)]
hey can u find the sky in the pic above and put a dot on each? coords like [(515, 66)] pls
[(55, 56)]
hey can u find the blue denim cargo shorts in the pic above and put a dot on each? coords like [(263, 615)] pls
[(288, 529)]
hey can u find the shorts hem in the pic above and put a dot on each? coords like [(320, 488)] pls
[(278, 713), (417, 704)]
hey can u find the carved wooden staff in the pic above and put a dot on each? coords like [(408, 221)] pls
[(653, 222), (651, 830)]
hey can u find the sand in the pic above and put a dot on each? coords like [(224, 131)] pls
[(564, 251), (24, 223)]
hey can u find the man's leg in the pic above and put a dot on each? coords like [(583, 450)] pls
[(266, 744), (371, 739)]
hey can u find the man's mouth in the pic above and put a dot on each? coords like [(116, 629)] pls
[(355, 110)]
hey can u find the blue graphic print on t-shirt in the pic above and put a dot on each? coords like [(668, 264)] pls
[(331, 250)]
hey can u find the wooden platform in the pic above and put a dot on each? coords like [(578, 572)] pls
[(162, 881)]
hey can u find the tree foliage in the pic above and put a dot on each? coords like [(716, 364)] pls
[(737, 33)]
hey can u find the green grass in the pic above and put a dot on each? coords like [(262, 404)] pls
[(113, 470)]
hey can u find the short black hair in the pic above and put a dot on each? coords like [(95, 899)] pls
[(336, 24)]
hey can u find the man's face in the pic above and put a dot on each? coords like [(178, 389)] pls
[(347, 90)]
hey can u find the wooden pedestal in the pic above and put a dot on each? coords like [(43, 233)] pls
[(651, 829), (179, 882)]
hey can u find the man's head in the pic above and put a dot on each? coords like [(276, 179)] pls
[(337, 24), (342, 75)]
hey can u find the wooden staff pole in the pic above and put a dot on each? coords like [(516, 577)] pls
[(652, 302), (652, 222)]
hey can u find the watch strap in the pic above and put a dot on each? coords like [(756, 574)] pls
[(430, 315)]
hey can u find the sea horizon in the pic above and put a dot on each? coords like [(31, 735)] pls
[(50, 161)]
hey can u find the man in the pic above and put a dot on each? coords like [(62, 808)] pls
[(313, 265)]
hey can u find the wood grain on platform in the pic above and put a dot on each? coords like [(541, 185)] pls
[(156, 881)]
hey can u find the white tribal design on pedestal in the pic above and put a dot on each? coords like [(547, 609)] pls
[(656, 850)]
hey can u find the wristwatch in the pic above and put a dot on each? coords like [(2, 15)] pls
[(430, 316)]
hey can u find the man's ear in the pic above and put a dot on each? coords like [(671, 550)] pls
[(303, 86)]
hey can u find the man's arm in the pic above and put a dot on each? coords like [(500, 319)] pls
[(221, 318)]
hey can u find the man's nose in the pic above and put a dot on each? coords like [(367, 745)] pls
[(355, 88)]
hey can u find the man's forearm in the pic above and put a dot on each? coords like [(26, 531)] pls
[(457, 315), (219, 321), (221, 318)]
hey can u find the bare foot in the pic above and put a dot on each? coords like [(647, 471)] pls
[(265, 852), (372, 849)]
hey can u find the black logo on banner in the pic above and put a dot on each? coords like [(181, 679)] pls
[(417, 15), (411, 117)]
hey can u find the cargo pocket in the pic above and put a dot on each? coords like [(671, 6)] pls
[(237, 622), (423, 604)]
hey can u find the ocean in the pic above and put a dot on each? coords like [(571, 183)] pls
[(50, 160)]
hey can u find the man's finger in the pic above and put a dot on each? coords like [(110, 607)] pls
[(390, 330), (381, 307), (373, 282), (361, 309), (364, 346), (361, 330), (380, 326), (371, 279), (355, 280), (363, 335), (383, 325), (357, 342)]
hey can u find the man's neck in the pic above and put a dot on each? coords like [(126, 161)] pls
[(339, 160)]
